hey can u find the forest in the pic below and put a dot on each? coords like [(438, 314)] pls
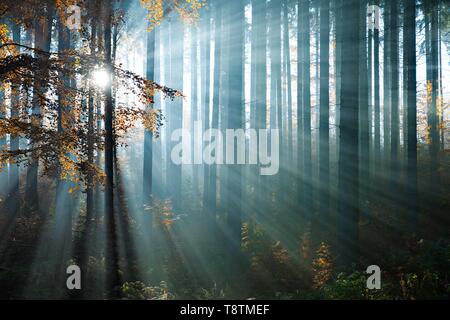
[(212, 150)]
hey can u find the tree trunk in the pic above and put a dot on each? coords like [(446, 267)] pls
[(394, 87), (43, 30), (175, 118), (13, 203), (433, 119), (206, 59), (338, 19), (212, 186), (148, 136), (287, 59), (410, 65), (306, 106), (112, 250), (300, 117), (324, 128), (377, 111), (386, 91), (4, 170), (364, 112), (194, 107), (348, 207), (259, 92), (235, 119)]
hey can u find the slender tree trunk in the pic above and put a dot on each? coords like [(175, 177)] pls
[(206, 59), (194, 106), (348, 208), (222, 171), (148, 135), (4, 170), (287, 138), (276, 120), (64, 200), (13, 203), (212, 194), (158, 156), (166, 42), (377, 111), (434, 84), (386, 92), (440, 95), (176, 113), (112, 250), (394, 87), (339, 19), (254, 96), (306, 106), (236, 111), (324, 128), (90, 206), (364, 112), (259, 93), (300, 116), (82, 248), (370, 33), (43, 30), (404, 91), (275, 63), (287, 59), (410, 65)]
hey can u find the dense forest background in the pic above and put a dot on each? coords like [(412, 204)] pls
[(358, 90)]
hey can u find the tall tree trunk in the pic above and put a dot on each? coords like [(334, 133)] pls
[(82, 248), (235, 119), (175, 112), (386, 91), (404, 90), (276, 105), (259, 92), (148, 135), (222, 171), (166, 43), (410, 65), (440, 95), (158, 156), (194, 106), (324, 128), (306, 106), (112, 250), (433, 119), (300, 116), (90, 206), (11, 207), (338, 62), (64, 200), (4, 170), (43, 30), (286, 146), (377, 111), (13, 203), (370, 33), (275, 64), (394, 87), (364, 112), (348, 207), (212, 194), (287, 60), (206, 59)]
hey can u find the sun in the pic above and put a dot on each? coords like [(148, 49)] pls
[(100, 77)]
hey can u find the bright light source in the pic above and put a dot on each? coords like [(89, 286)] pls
[(100, 77)]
